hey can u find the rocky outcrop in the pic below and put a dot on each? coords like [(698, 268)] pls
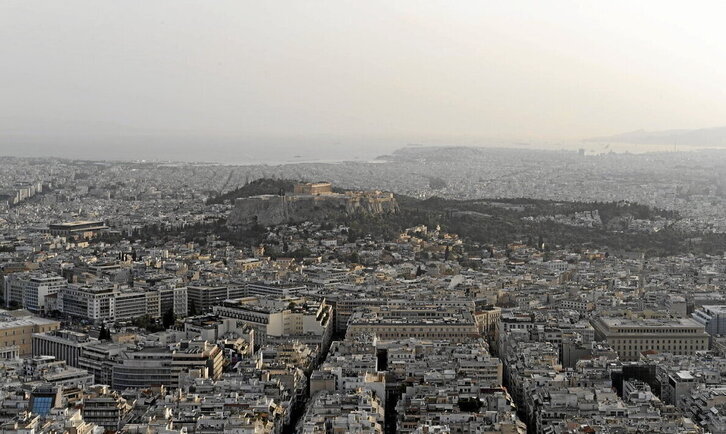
[(268, 210)]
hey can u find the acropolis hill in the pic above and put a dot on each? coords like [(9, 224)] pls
[(309, 202)]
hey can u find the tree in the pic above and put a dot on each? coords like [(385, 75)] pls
[(148, 323), (104, 334), (169, 319), (471, 405)]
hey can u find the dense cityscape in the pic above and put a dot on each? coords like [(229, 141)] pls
[(434, 290)]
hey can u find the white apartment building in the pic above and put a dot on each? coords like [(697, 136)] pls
[(175, 299), (94, 303), (29, 290), (280, 317), (108, 303)]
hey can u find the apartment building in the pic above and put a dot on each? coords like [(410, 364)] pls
[(202, 298), (273, 290), (29, 290), (713, 318), (140, 368), (285, 317), (108, 303)]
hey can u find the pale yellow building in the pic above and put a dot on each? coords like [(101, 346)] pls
[(17, 328), (487, 318), (630, 337)]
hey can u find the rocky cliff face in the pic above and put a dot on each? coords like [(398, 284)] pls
[(270, 210)]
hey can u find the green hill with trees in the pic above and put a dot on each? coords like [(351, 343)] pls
[(255, 188), (480, 221)]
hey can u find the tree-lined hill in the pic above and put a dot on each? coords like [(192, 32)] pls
[(482, 221), (255, 188)]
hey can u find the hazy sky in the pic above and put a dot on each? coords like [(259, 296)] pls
[(404, 71)]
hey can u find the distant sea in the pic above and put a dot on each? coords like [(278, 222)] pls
[(190, 149), (264, 151)]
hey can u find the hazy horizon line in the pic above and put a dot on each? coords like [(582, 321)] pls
[(301, 159)]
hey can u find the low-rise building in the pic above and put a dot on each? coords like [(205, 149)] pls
[(64, 345)]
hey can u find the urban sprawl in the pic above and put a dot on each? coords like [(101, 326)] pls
[(435, 290)]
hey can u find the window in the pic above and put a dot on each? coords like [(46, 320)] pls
[(42, 405)]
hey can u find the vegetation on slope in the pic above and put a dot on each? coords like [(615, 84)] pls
[(255, 188), (481, 221), (487, 222)]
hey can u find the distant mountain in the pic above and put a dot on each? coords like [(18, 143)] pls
[(708, 137)]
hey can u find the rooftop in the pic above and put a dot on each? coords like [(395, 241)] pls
[(76, 223), (649, 322)]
